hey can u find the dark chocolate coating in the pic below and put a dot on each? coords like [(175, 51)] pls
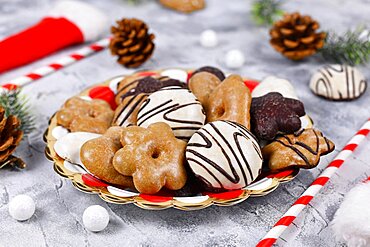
[(218, 73), (148, 85), (272, 113)]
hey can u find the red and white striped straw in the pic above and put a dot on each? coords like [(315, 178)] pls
[(59, 64), (270, 238)]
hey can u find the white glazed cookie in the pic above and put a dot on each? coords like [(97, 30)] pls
[(274, 84), (224, 155), (338, 82), (175, 106)]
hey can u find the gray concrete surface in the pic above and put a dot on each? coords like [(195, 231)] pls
[(58, 219)]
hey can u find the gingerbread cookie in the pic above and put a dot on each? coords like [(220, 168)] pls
[(231, 100), (186, 6), (97, 156), (272, 113), (177, 107), (153, 157), (134, 85), (79, 114), (202, 84), (224, 155), (132, 94), (338, 82), (126, 113), (301, 150)]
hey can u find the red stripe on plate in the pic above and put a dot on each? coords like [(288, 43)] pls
[(336, 163), (56, 66), (251, 84), (103, 93), (154, 198), (320, 181), (189, 76), (93, 181), (267, 242), (285, 221), (225, 195), (282, 174), (303, 200), (76, 56), (34, 76), (147, 73)]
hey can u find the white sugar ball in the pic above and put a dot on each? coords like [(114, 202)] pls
[(208, 38), (22, 207), (95, 218), (234, 59)]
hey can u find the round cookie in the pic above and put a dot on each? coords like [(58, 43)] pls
[(177, 107), (338, 82), (131, 100), (215, 71), (224, 155), (274, 84)]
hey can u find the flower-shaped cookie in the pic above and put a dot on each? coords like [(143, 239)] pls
[(97, 156), (78, 114), (272, 113), (153, 157)]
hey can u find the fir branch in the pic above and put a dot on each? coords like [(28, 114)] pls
[(352, 48), (133, 2), (16, 104), (266, 12)]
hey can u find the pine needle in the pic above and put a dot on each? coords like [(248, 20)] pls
[(16, 104), (266, 12), (352, 48)]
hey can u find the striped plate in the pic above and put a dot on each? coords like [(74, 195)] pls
[(86, 182)]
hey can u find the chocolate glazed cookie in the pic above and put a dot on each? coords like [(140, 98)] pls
[(224, 155)]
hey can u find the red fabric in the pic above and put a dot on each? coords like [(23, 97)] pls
[(44, 38)]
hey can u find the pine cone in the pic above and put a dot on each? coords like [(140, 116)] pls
[(10, 137), (131, 42), (295, 36)]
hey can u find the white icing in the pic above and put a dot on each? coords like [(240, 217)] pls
[(58, 132), (177, 107), (306, 122), (85, 97), (68, 147), (338, 82), (177, 74), (114, 82), (224, 152), (274, 84)]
